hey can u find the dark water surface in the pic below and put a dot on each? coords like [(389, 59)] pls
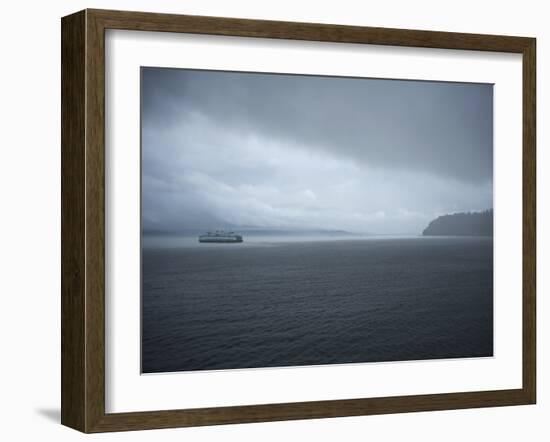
[(222, 306)]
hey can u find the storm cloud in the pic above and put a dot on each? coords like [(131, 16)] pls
[(290, 151)]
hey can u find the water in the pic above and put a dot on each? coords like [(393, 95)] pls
[(270, 303)]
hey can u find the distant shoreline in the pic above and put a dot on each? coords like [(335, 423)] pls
[(179, 241), (462, 224)]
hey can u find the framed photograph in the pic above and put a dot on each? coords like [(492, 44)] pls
[(266, 221)]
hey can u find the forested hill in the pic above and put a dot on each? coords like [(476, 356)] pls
[(462, 224)]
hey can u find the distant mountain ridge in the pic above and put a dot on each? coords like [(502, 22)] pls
[(462, 224)]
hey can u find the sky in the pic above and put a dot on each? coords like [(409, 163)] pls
[(294, 152)]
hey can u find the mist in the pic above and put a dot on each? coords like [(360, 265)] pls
[(242, 150)]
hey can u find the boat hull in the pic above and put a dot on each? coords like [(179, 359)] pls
[(220, 240), (220, 236)]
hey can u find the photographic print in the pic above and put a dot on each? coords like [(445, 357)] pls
[(301, 220)]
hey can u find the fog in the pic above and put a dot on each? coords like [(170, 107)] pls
[(241, 150)]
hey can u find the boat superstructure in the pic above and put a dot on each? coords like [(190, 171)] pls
[(220, 236)]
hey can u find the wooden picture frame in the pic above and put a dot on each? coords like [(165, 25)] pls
[(83, 220)]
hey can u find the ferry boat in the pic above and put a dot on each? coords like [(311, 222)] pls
[(220, 236)]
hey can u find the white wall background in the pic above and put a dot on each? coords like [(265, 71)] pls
[(30, 217)]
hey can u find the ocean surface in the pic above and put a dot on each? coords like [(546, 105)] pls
[(272, 302)]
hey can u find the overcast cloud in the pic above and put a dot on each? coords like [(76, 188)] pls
[(284, 151)]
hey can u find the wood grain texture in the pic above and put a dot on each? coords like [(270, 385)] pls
[(83, 220), (529, 221), (145, 21), (73, 128), (308, 410), (95, 222)]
